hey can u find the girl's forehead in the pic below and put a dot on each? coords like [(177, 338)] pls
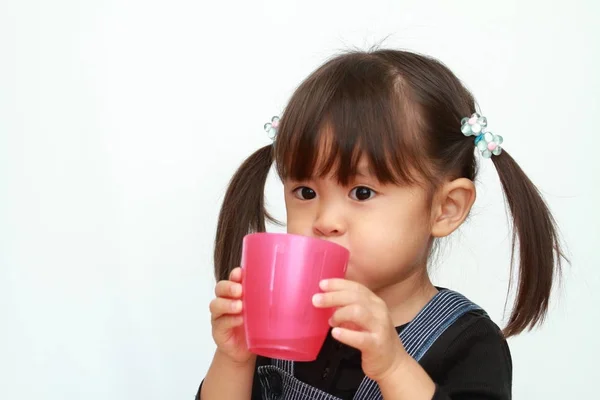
[(331, 149), (324, 168), (345, 149)]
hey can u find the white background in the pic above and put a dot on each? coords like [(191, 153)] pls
[(122, 121)]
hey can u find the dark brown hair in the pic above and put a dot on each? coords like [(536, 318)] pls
[(402, 111)]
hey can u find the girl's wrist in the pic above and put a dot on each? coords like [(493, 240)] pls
[(406, 379), (396, 366), (235, 364)]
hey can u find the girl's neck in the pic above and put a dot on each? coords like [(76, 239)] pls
[(406, 298)]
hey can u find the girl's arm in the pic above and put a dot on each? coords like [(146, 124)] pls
[(228, 380), (408, 381), (478, 366)]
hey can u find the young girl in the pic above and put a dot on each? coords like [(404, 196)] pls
[(378, 153)]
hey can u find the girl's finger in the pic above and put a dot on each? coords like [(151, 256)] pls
[(227, 322), (229, 289), (336, 284), (353, 314), (236, 275), (358, 339), (220, 306), (337, 299)]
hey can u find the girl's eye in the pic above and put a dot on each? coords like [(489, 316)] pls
[(362, 193), (305, 193)]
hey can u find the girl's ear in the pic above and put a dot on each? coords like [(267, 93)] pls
[(451, 206)]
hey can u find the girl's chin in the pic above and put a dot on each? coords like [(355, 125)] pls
[(355, 276), (352, 275)]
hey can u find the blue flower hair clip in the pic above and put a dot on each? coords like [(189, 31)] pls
[(485, 141), (272, 127)]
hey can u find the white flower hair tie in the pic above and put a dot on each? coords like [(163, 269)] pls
[(487, 143), (272, 127)]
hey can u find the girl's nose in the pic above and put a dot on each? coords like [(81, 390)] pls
[(329, 223)]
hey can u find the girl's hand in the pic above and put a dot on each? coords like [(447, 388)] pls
[(362, 320), (227, 320)]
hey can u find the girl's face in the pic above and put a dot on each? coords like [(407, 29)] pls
[(387, 228)]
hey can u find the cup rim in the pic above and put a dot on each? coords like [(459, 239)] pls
[(303, 237)]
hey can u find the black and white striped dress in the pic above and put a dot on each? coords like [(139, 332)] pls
[(279, 383)]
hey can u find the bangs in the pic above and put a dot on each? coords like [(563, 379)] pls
[(353, 108)]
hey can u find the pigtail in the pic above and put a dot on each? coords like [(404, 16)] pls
[(243, 210), (540, 253)]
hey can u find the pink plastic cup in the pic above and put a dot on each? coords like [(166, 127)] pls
[(281, 273)]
